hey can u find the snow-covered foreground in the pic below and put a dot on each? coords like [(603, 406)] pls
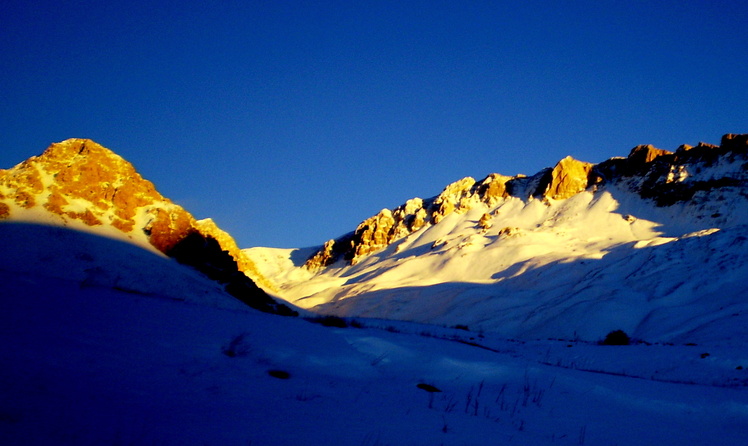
[(105, 343)]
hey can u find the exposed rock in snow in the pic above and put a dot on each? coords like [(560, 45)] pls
[(568, 178), (374, 233), (641, 155), (454, 197), (493, 188), (325, 256), (735, 143), (485, 222)]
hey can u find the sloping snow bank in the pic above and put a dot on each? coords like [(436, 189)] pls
[(94, 261)]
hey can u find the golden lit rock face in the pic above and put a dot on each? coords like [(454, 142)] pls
[(167, 227), (643, 154), (485, 221), (79, 180), (373, 234), (452, 198), (324, 257), (568, 178), (493, 188)]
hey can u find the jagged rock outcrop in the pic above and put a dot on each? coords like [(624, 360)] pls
[(485, 221), (78, 181), (568, 178), (735, 143), (641, 155), (388, 226), (374, 233), (454, 197), (657, 174), (330, 252), (675, 178), (493, 188)]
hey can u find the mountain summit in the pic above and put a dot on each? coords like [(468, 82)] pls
[(80, 184)]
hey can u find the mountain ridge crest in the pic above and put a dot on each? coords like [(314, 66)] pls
[(655, 168)]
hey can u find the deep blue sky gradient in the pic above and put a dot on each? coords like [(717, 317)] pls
[(290, 122)]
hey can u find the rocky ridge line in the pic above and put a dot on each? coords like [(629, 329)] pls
[(78, 180), (654, 173)]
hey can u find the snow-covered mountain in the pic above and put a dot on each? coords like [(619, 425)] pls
[(106, 340), (655, 244), (80, 184)]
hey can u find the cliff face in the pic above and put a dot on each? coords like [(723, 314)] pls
[(663, 176), (79, 182)]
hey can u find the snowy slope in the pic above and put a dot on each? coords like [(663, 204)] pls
[(89, 260), (103, 343), (578, 268)]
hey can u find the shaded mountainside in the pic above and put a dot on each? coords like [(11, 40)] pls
[(80, 184), (653, 243), (664, 176)]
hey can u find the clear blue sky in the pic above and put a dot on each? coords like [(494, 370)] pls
[(290, 122)]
